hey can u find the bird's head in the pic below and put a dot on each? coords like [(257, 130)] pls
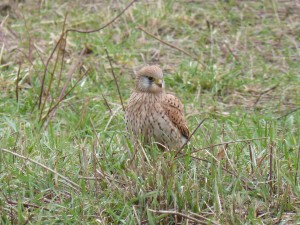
[(150, 79)]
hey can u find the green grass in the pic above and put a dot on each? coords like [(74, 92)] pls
[(250, 79)]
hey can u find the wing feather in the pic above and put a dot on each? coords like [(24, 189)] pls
[(174, 110)]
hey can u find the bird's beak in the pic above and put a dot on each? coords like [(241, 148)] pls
[(159, 82)]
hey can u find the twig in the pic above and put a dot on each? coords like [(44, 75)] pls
[(190, 136), (200, 159), (233, 173), (106, 103), (27, 205), (168, 44), (46, 69), (264, 92), (17, 83), (49, 86), (58, 102), (76, 186), (106, 25), (182, 215), (232, 53), (62, 95), (294, 110), (260, 160), (251, 158), (62, 48), (113, 73), (223, 168), (219, 144), (61, 44), (14, 203)]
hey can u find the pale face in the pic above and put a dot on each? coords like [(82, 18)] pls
[(150, 84), (150, 79)]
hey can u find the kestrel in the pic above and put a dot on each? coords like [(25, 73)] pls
[(154, 115)]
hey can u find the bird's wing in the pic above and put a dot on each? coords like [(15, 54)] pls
[(174, 110)]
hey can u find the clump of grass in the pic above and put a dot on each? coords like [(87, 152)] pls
[(65, 156)]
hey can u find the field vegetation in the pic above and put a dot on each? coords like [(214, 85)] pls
[(65, 156)]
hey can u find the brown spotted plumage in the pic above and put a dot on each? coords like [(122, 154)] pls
[(153, 115)]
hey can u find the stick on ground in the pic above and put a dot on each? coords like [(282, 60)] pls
[(170, 45), (219, 144), (106, 25), (188, 140), (113, 73), (73, 185)]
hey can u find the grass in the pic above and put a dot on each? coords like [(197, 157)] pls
[(73, 164)]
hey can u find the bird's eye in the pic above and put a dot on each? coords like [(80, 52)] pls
[(151, 78)]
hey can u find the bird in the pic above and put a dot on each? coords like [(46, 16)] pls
[(152, 114)]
